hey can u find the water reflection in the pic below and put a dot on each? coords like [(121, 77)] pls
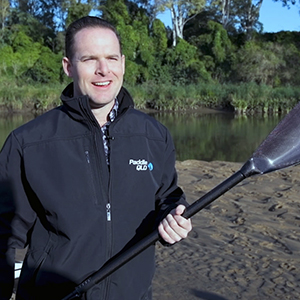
[(9, 122), (199, 135), (217, 136)]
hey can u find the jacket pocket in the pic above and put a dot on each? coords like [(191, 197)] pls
[(35, 259), (32, 266), (90, 175)]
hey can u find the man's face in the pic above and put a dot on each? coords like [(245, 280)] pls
[(97, 66)]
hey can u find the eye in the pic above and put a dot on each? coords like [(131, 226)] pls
[(87, 59), (113, 58)]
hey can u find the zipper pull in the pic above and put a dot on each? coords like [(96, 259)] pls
[(108, 213), (87, 155)]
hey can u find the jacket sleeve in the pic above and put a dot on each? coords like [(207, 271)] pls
[(16, 215), (169, 194)]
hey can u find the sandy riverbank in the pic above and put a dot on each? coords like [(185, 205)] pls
[(245, 245)]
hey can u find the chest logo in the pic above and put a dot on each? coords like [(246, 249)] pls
[(141, 164)]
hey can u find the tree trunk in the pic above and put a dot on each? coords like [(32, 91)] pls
[(177, 24), (174, 25), (252, 17), (225, 12)]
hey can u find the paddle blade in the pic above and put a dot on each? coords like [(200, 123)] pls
[(280, 149)]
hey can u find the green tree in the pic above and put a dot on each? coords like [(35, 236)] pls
[(20, 55), (286, 73), (44, 11), (133, 26), (150, 8), (159, 36), (6, 59), (75, 9), (4, 9), (184, 64), (215, 49), (46, 69), (258, 63), (287, 46), (31, 26), (159, 72), (115, 11)]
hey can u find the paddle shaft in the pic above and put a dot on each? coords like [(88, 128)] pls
[(115, 263)]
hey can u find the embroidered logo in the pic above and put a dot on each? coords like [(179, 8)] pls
[(141, 164)]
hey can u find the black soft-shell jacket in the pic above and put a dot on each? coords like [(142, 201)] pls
[(59, 197)]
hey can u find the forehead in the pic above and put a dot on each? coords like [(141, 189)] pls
[(96, 39)]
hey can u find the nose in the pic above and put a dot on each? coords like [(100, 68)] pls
[(102, 67)]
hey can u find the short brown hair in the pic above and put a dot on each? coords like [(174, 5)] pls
[(85, 22)]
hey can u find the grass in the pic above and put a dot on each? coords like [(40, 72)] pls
[(245, 98), (15, 97)]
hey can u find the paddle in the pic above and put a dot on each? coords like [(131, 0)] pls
[(279, 150)]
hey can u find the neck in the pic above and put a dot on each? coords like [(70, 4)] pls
[(101, 113)]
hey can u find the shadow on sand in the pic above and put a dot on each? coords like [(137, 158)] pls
[(207, 295)]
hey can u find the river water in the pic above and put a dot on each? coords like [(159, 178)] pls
[(201, 135)]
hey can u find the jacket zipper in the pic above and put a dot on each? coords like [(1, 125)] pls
[(108, 213), (109, 218), (108, 204), (87, 156), (94, 126), (107, 209)]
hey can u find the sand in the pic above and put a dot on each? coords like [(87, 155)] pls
[(244, 245)]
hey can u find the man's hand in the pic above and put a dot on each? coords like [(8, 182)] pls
[(174, 227)]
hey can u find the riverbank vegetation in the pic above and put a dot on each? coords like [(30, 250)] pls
[(215, 63)]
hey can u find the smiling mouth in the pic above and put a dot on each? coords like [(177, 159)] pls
[(105, 83)]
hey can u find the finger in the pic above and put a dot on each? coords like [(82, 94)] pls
[(167, 233), (177, 227), (186, 224), (181, 226), (180, 209)]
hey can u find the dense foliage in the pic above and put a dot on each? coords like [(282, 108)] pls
[(212, 65)]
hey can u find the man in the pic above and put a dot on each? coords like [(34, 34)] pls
[(85, 181)]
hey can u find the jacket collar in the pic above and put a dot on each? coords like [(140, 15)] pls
[(79, 107)]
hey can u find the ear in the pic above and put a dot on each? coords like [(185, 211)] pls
[(67, 66), (123, 63)]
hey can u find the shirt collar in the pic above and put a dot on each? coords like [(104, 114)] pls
[(113, 113)]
